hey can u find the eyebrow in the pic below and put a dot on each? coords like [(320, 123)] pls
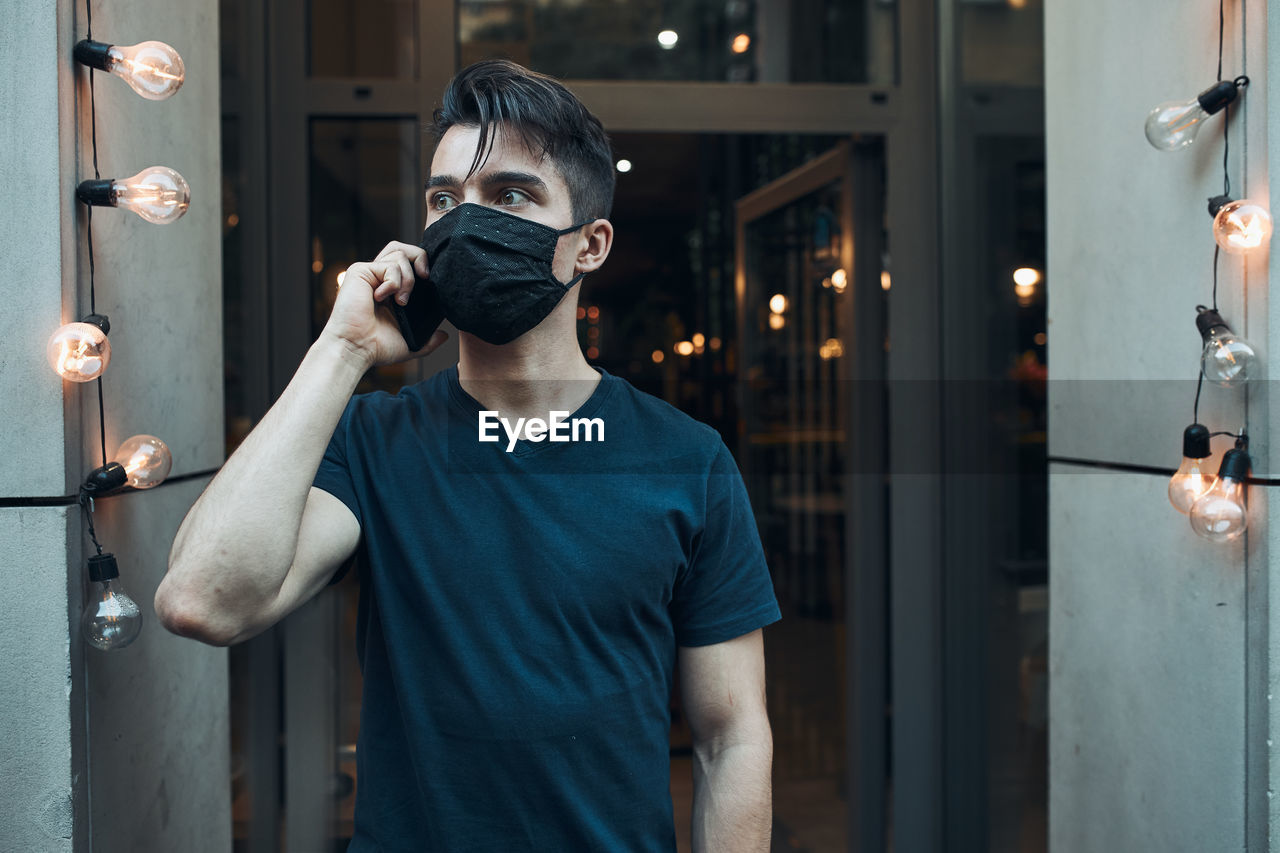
[(527, 179)]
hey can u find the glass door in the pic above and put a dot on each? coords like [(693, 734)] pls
[(811, 293)]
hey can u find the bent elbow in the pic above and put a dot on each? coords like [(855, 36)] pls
[(186, 618)]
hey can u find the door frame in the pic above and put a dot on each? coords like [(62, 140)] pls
[(275, 101)]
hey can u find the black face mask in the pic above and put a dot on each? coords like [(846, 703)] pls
[(492, 271)]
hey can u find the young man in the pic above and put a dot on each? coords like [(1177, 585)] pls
[(523, 601)]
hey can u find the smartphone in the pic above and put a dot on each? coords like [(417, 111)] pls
[(421, 317)]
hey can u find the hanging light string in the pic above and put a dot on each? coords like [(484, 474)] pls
[(93, 297)]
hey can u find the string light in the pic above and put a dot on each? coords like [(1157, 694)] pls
[(80, 351), (1226, 360), (111, 619), (1219, 515), (1241, 226), (1174, 124), (1191, 480), (158, 194), (153, 69)]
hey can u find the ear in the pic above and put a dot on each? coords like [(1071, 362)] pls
[(597, 240)]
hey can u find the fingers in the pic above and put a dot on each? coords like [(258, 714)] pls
[(409, 262), (416, 256)]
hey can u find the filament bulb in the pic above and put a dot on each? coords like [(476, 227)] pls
[(80, 351), (1191, 479), (1226, 360), (146, 461), (111, 619), (1219, 514), (1174, 124), (158, 194), (1240, 226), (153, 69)]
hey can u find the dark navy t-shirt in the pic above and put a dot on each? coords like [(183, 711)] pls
[(520, 613)]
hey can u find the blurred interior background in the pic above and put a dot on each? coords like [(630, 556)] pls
[(830, 224)]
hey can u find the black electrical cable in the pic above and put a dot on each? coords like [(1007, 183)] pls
[(93, 296)]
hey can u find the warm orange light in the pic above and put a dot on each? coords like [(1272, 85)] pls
[(699, 339), (593, 332), (832, 348), (1026, 276), (658, 356), (741, 43), (593, 312), (593, 352), (317, 266), (840, 280), (714, 343), (582, 313), (777, 321), (886, 280), (146, 460), (777, 303), (684, 348), (79, 351)]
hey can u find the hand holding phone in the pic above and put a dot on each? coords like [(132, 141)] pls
[(420, 317)]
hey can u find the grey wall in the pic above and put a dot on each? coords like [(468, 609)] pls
[(1158, 665), (126, 750)]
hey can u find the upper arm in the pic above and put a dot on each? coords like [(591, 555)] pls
[(327, 538), (722, 688)]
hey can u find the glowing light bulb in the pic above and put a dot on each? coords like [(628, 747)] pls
[(1219, 514), (1240, 226), (146, 461), (777, 303), (1191, 480), (1174, 124), (668, 39), (624, 165), (158, 194), (111, 619), (153, 69), (741, 43), (1226, 360), (80, 351)]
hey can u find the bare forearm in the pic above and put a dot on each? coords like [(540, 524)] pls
[(238, 541), (732, 798)]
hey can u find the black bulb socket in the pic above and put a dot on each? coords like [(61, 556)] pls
[(1207, 320), (102, 567), (1218, 202), (104, 480), (1195, 442), (1235, 464), (97, 192), (1218, 96), (99, 320), (94, 54)]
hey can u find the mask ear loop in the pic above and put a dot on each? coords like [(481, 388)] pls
[(577, 278)]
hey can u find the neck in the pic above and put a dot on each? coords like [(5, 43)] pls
[(537, 373)]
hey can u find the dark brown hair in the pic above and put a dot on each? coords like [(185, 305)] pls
[(547, 118)]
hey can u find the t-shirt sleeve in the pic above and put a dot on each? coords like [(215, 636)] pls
[(334, 475), (726, 590)]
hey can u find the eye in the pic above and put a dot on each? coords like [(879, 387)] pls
[(442, 201), (513, 198)]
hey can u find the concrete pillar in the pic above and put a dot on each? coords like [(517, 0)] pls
[(1159, 722), (126, 750)]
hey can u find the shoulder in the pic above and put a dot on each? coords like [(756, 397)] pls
[(658, 424)]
